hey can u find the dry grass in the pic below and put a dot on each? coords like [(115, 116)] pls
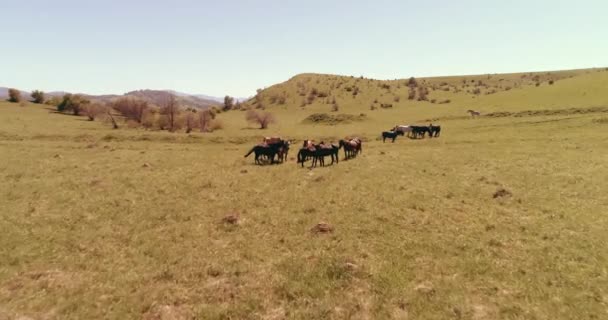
[(132, 224)]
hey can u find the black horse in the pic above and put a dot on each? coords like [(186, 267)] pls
[(434, 131), (318, 154), (269, 151), (390, 135), (419, 132)]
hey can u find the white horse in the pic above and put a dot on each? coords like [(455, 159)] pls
[(474, 113), (406, 130)]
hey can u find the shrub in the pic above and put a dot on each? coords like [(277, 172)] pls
[(131, 108), (261, 118), (74, 103), (38, 96), (397, 98), (205, 120), (551, 82), (94, 110), (422, 94), (335, 107), (228, 103), (477, 91), (386, 105), (14, 95), (412, 94), (412, 82)]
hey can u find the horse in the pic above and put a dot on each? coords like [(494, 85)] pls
[(418, 131), (390, 135), (318, 153), (403, 129), (352, 147), (474, 113), (434, 131), (268, 151)]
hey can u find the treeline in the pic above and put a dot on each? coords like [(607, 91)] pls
[(135, 112)]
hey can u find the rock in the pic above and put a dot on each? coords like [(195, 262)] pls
[(231, 219), (502, 192), (147, 165), (322, 227), (58, 156), (244, 171), (425, 289)]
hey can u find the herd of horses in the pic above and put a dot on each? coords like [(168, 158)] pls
[(276, 147), (413, 132), (272, 147)]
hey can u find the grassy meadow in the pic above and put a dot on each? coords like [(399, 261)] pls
[(502, 217)]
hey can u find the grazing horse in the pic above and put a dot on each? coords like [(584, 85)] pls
[(283, 151), (390, 135), (268, 151), (474, 113), (434, 131), (352, 147), (419, 132), (403, 129)]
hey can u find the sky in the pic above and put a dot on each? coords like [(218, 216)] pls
[(235, 47)]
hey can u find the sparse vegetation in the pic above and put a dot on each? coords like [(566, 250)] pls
[(14, 95), (263, 119), (37, 96)]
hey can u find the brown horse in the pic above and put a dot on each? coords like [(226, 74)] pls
[(352, 147)]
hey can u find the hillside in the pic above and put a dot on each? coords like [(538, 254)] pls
[(490, 92)]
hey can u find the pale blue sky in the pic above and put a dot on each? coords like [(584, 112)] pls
[(235, 47)]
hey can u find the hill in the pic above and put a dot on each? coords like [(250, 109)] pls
[(320, 93)]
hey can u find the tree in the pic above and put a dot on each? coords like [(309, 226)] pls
[(205, 118), (75, 103), (190, 119), (261, 118), (94, 110), (171, 111), (38, 96), (131, 108), (228, 103), (14, 95)]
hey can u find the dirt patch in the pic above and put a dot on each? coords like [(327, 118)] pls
[(332, 120), (502, 193)]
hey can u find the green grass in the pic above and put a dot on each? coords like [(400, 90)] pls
[(87, 231)]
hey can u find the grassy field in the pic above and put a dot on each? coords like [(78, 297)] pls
[(128, 224)]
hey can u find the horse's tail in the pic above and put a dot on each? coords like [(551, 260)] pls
[(250, 152)]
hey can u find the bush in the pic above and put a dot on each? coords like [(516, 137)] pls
[(38, 96), (228, 103), (14, 95), (422, 94), (412, 94), (74, 103), (412, 82), (261, 118), (131, 108), (94, 110), (397, 98), (551, 82)]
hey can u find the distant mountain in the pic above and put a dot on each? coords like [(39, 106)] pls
[(4, 93), (156, 97)]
